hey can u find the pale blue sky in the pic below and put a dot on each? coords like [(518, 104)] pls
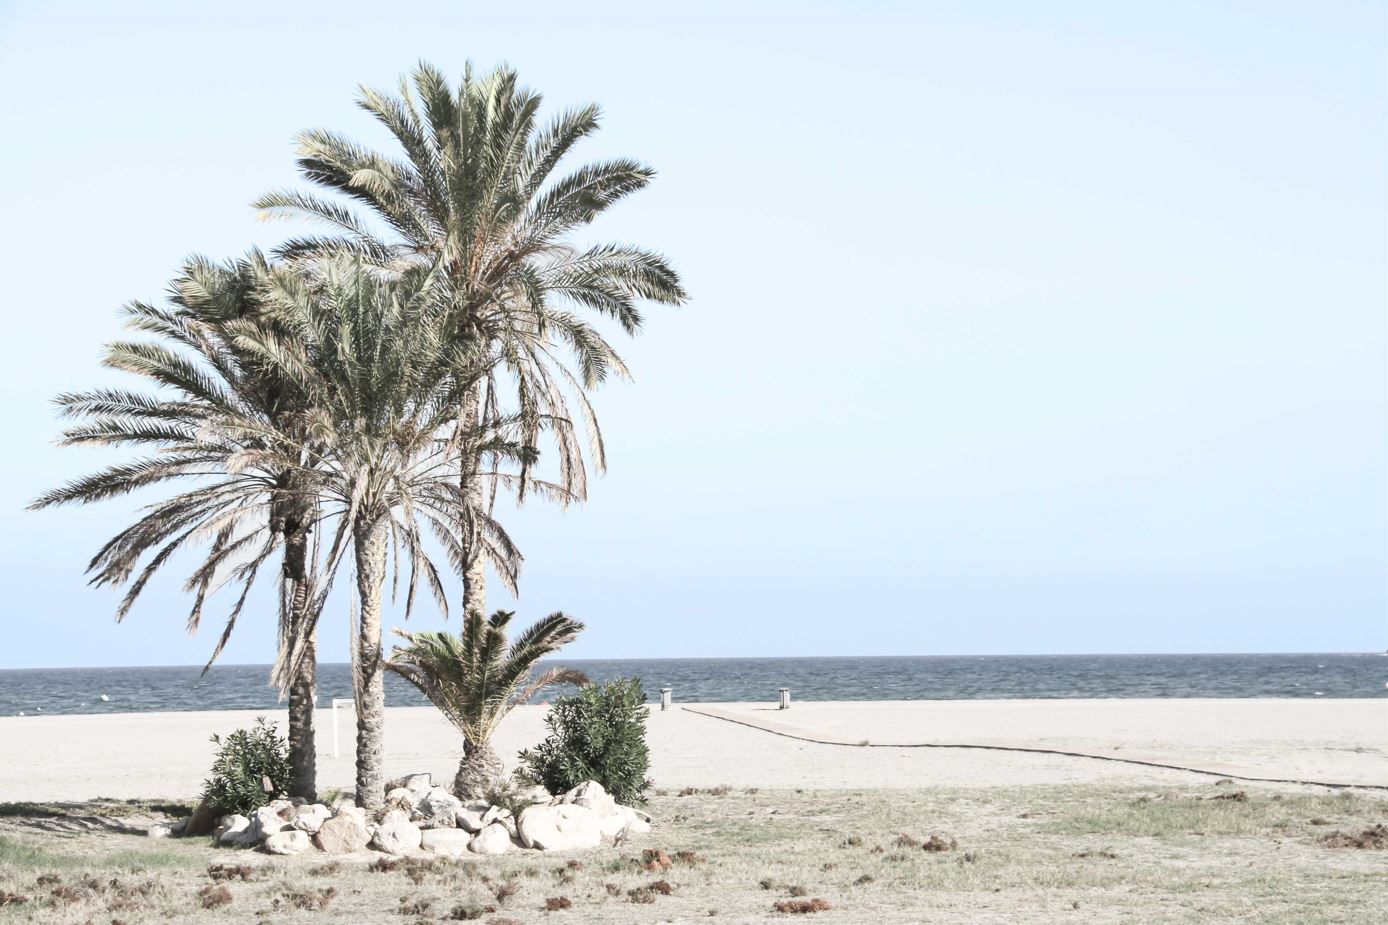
[(1015, 327)]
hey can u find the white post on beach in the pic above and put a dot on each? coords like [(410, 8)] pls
[(785, 698), (665, 698), (336, 702)]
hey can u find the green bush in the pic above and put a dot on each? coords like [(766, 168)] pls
[(252, 768), (597, 734)]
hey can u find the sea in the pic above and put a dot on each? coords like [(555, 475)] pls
[(46, 691)]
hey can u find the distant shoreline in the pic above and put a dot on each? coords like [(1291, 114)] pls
[(106, 691), (734, 658)]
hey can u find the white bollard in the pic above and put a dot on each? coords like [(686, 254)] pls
[(665, 698), (336, 702), (785, 698)]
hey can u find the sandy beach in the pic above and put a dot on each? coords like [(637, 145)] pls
[(166, 755)]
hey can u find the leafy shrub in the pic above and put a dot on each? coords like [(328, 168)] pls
[(251, 768), (597, 734)]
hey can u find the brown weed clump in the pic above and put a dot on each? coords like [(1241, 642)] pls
[(1374, 837), (801, 906), (313, 900), (656, 861), (935, 843), (12, 899), (242, 872), (558, 903), (212, 896)]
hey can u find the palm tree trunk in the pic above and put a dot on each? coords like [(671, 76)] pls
[(370, 547), (475, 569), (303, 771), (478, 772), (298, 506)]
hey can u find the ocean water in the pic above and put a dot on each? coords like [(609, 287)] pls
[(41, 691)]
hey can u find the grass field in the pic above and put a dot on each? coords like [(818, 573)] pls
[(1212, 853)]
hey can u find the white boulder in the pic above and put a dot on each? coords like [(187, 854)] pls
[(591, 794), (472, 816), (448, 843), (293, 841), (342, 834), (310, 818), (623, 819), (235, 830), (493, 839), (159, 830), (501, 815), (396, 834), (403, 798), (563, 827), (270, 819), (438, 809), (416, 783)]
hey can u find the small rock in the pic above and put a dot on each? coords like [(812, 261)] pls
[(437, 810), (591, 794), (395, 834), (418, 783), (268, 820), (472, 816), (494, 839), (402, 797), (290, 842), (448, 843), (342, 834), (559, 828), (159, 830), (501, 815), (623, 820), (235, 830), (311, 817), (534, 795)]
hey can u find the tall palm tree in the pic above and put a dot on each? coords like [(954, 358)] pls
[(232, 426), (382, 386), (476, 679), (475, 196)]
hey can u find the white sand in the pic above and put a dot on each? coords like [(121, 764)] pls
[(167, 754)]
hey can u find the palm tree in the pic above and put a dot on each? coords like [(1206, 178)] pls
[(476, 679), (236, 428), (473, 196), (382, 386)]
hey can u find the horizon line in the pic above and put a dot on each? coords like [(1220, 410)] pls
[(697, 658)]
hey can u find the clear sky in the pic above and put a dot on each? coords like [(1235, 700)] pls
[(1015, 327)]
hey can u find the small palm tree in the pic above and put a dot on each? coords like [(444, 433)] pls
[(476, 679)]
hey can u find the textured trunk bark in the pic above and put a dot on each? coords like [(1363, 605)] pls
[(298, 510), (478, 772), (475, 571), (303, 771), (370, 548)]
